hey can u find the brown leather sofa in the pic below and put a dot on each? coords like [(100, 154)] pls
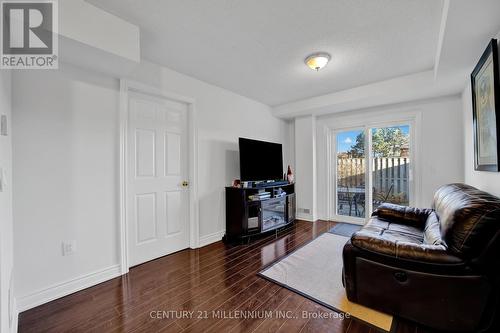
[(439, 267)]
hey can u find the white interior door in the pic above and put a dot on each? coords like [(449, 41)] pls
[(157, 203)]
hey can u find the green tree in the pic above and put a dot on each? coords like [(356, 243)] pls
[(386, 142), (358, 149)]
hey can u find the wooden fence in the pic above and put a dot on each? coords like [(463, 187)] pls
[(351, 172), (390, 174)]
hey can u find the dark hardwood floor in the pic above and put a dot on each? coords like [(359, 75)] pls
[(216, 277)]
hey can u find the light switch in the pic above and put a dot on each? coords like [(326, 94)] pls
[(68, 247)]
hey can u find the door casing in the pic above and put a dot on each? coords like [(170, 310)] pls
[(126, 87)]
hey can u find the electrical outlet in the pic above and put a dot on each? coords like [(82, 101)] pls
[(305, 210), (68, 247)]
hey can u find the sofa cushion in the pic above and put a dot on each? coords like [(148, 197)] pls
[(415, 217), (402, 229), (400, 243), (469, 218)]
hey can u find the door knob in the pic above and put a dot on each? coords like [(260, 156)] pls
[(185, 183)]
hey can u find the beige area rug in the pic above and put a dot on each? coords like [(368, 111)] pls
[(315, 271)]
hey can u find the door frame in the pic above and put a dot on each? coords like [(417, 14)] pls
[(332, 186), (414, 120), (127, 87)]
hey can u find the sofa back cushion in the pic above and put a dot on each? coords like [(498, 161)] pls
[(469, 218), (432, 231), (411, 216)]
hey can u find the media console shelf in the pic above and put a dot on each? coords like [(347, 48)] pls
[(246, 217)]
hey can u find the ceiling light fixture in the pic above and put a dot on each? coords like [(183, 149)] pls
[(318, 60)]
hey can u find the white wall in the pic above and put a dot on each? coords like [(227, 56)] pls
[(439, 153), (6, 227), (484, 180), (66, 174), (222, 117), (66, 168), (305, 167)]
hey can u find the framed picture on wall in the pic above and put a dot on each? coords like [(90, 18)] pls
[(486, 109)]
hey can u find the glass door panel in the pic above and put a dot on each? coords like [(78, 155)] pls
[(390, 153), (350, 175)]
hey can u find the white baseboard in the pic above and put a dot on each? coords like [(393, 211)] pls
[(67, 287), (323, 217), (305, 217), (211, 238)]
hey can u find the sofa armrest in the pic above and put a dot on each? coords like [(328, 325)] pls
[(411, 216), (382, 244)]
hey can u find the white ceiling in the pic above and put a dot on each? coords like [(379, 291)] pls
[(469, 27), (465, 31), (256, 48)]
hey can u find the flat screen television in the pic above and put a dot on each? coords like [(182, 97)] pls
[(260, 160)]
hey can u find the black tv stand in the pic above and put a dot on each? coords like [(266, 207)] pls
[(246, 218)]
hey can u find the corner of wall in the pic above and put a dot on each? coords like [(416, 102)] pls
[(305, 160), (315, 172), (15, 317), (7, 301)]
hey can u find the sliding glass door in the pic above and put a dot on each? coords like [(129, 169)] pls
[(350, 173), (371, 166), (390, 154)]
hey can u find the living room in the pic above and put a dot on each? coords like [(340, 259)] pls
[(248, 166)]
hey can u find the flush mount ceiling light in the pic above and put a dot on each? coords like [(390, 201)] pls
[(318, 60)]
